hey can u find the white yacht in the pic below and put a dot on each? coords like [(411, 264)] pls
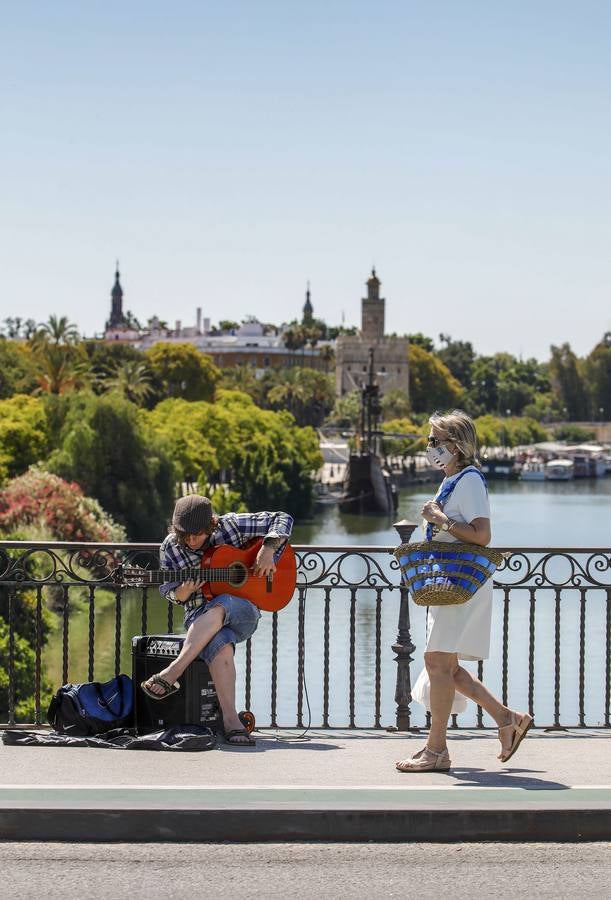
[(533, 470), (559, 470)]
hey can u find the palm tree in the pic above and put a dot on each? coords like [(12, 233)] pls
[(13, 327), (327, 355), (130, 378), (306, 393), (58, 331), (58, 368), (58, 364)]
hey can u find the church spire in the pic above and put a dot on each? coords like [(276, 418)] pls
[(308, 309), (116, 308)]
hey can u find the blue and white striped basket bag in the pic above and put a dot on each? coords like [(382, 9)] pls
[(439, 573)]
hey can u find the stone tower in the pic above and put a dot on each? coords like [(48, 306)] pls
[(372, 311), (308, 309), (116, 309), (352, 352)]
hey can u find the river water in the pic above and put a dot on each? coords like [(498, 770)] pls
[(524, 514), (562, 515)]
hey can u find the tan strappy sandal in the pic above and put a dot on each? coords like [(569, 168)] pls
[(426, 760), (519, 725)]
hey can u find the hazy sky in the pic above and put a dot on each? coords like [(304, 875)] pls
[(228, 152)]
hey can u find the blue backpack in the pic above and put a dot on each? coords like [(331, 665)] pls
[(94, 708)]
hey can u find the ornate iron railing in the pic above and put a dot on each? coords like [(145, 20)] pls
[(550, 651)]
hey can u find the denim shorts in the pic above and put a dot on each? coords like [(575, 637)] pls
[(241, 620)]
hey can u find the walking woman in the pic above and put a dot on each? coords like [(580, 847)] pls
[(459, 512)]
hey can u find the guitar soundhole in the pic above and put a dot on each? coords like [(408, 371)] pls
[(238, 574)]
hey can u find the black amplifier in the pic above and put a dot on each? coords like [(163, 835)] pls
[(195, 703)]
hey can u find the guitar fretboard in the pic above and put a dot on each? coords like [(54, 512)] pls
[(164, 576)]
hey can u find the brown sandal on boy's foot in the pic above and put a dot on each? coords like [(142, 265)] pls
[(426, 760), (519, 725)]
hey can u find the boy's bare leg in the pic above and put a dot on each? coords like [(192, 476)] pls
[(199, 634), (222, 669)]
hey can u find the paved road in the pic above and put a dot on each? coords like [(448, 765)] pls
[(243, 871)]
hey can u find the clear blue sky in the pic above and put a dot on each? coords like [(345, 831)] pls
[(227, 152)]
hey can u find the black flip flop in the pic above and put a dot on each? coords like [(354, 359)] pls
[(168, 689), (239, 732)]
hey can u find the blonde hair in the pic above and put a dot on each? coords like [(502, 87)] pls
[(458, 428)]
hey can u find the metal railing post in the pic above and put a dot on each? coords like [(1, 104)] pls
[(403, 646)]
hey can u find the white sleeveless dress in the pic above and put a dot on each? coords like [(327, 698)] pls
[(463, 629)]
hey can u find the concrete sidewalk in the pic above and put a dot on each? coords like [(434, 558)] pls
[(338, 785)]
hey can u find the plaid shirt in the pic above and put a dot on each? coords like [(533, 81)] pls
[(236, 529)]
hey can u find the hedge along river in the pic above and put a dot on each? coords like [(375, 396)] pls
[(562, 515)]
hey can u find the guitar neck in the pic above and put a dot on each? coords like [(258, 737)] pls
[(167, 576)]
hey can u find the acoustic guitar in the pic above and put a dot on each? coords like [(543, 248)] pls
[(227, 570)]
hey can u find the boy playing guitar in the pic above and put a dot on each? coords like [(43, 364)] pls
[(216, 625)]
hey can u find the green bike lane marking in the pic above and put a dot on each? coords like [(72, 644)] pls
[(329, 796)]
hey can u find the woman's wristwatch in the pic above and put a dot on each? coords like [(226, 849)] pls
[(448, 525)]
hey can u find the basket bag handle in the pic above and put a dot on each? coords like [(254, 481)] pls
[(446, 489)]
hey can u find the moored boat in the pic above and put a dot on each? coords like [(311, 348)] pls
[(533, 470), (500, 467), (559, 470)]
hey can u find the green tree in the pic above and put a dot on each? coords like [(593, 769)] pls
[(306, 393), (107, 355), (24, 669), (501, 382), (59, 368), (395, 404), (574, 434), (12, 327), (16, 369), (514, 431), (24, 437), (59, 360), (597, 370), (131, 379), (567, 382), (431, 384), (295, 337), (347, 411), (103, 445), (327, 355), (180, 370), (405, 437), (260, 455), (58, 330), (458, 356), (243, 377), (421, 340), (544, 407), (335, 331), (482, 395)]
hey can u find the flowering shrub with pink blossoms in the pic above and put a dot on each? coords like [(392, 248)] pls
[(43, 506)]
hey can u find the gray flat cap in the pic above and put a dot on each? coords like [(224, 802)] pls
[(192, 514)]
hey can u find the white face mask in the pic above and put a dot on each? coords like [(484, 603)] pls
[(439, 456)]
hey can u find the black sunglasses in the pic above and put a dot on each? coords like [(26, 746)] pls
[(432, 441)]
